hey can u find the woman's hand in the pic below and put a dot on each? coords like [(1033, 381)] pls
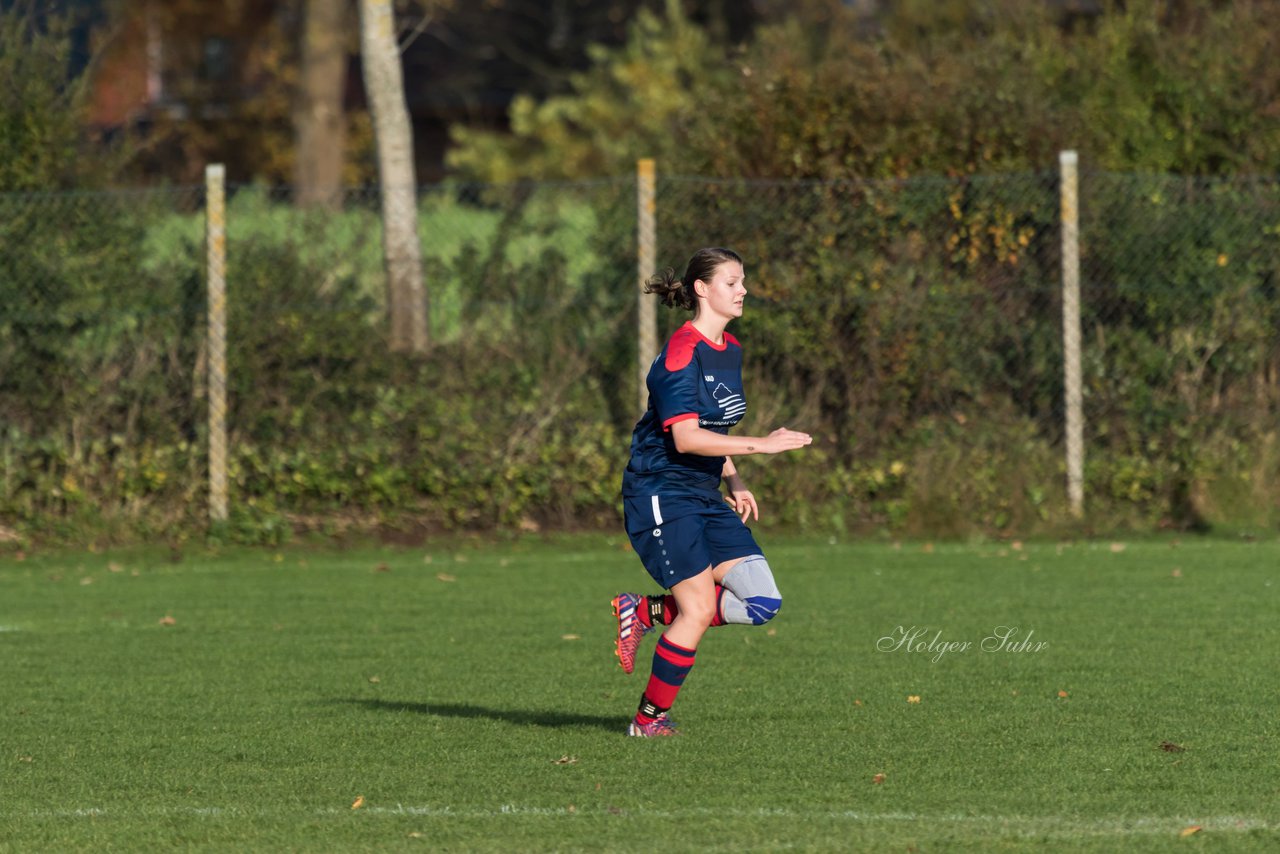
[(744, 504), (783, 439)]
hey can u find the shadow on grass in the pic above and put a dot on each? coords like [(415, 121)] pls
[(613, 723)]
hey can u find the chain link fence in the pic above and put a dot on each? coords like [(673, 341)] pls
[(99, 343), (914, 326)]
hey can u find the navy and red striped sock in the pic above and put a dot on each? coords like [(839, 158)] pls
[(671, 664)]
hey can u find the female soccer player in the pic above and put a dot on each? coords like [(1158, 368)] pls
[(693, 541)]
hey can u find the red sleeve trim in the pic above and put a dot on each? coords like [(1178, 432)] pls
[(666, 425)]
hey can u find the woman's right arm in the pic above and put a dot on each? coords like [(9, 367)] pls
[(692, 439)]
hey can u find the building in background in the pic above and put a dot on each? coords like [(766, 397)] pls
[(200, 80)]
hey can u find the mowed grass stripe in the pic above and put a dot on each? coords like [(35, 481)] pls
[(1027, 825), (476, 677)]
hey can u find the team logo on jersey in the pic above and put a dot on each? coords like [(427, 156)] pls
[(730, 402)]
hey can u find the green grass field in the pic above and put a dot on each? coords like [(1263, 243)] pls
[(467, 693)]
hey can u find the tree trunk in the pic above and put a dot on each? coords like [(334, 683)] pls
[(319, 121), (383, 81)]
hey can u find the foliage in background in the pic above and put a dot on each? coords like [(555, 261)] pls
[(105, 425), (42, 145), (98, 385), (912, 326), (641, 97), (959, 88)]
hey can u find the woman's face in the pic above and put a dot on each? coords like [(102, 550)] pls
[(725, 291)]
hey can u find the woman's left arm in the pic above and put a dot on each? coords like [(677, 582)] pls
[(744, 503)]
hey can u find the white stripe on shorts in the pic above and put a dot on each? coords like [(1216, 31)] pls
[(657, 512)]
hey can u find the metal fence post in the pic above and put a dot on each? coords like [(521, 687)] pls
[(646, 259), (216, 248), (1068, 163)]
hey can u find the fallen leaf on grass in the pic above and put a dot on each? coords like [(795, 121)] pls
[(26, 759), (571, 809), (1170, 747), (1063, 694), (168, 621), (571, 637), (1187, 831), (114, 567), (913, 698), (88, 579), (444, 576), (1116, 548), (877, 779), (565, 760), (374, 680), (358, 802), (382, 567), (1177, 572), (857, 702)]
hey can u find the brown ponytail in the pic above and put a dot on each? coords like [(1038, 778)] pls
[(670, 290)]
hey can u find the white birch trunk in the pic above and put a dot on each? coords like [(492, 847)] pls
[(384, 84)]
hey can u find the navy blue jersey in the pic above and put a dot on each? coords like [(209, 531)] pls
[(691, 378)]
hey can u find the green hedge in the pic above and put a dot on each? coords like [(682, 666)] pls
[(913, 327)]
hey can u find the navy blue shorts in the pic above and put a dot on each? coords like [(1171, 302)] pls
[(678, 537)]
